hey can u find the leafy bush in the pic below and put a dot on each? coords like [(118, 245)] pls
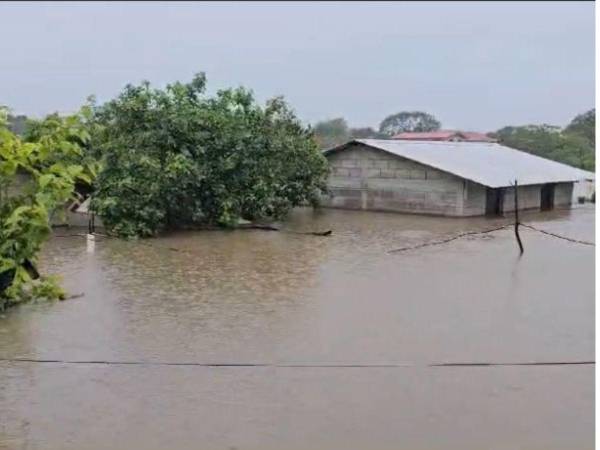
[(35, 179), (173, 158)]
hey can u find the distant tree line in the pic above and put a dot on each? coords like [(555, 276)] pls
[(330, 133), (573, 144)]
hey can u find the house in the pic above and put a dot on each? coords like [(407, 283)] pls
[(445, 135), (443, 178)]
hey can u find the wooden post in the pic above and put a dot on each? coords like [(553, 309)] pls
[(517, 217)]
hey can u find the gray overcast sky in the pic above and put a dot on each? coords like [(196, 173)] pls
[(474, 65)]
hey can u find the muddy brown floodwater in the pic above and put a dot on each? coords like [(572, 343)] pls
[(286, 300)]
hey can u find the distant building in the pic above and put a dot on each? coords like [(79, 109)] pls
[(444, 178), (445, 135)]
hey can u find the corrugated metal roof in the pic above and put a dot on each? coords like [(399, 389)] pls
[(489, 164), (586, 175)]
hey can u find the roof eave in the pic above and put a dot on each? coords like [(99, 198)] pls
[(344, 146)]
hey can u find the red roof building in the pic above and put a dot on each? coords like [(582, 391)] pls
[(445, 135)]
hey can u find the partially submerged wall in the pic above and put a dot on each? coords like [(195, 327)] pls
[(366, 178), (529, 197), (563, 194), (475, 198)]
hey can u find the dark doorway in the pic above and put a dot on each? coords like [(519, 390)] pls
[(547, 197), (494, 202)]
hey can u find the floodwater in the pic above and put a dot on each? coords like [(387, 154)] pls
[(364, 326)]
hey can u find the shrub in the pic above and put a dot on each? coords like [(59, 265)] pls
[(175, 157), (35, 178)]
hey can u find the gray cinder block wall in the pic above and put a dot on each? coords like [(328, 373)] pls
[(370, 179), (366, 178), (530, 196)]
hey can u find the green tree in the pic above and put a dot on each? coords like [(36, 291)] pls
[(550, 142), (584, 125), (366, 133), (409, 121), (54, 124), (330, 133), (175, 158), (35, 179)]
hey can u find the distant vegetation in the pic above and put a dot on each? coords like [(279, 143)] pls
[(330, 133), (573, 145), (409, 121)]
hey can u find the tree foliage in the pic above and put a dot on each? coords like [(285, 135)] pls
[(584, 125), (76, 130), (334, 132), (409, 121), (330, 133), (175, 157), (574, 145), (36, 178)]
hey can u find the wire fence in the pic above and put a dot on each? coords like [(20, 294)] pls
[(298, 365), (396, 250), (491, 230)]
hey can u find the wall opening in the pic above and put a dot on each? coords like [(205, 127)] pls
[(494, 202), (547, 196)]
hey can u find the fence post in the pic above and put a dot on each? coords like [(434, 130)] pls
[(517, 217)]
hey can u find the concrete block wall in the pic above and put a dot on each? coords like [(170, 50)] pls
[(474, 199), (563, 194), (366, 178), (529, 197)]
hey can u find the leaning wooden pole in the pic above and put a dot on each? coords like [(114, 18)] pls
[(517, 217)]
